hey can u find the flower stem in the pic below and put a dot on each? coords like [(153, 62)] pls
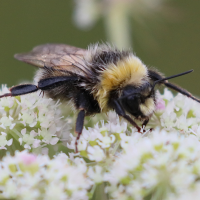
[(99, 193), (117, 26)]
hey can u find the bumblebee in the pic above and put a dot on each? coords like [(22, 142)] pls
[(96, 80)]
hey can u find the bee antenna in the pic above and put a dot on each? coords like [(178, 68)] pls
[(170, 77)]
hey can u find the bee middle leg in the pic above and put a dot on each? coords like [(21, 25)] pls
[(79, 127), (87, 105)]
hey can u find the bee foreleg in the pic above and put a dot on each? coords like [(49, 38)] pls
[(120, 111), (146, 121), (79, 126), (20, 90)]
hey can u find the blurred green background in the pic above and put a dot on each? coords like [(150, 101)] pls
[(172, 45)]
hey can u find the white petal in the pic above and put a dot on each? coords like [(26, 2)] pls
[(24, 123), (3, 133), (12, 125), (23, 131), (33, 124), (33, 133), (54, 140), (20, 141), (26, 146), (36, 143), (9, 142), (10, 117), (2, 126)]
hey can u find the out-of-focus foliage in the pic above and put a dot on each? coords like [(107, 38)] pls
[(116, 14), (169, 43)]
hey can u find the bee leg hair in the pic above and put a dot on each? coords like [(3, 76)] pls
[(120, 111), (79, 126)]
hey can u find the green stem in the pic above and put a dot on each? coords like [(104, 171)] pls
[(99, 193), (17, 134), (115, 147), (117, 26), (14, 134), (92, 192)]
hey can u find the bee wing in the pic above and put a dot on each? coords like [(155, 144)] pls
[(57, 56)]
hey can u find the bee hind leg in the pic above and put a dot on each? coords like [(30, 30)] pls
[(44, 84), (79, 127), (20, 90)]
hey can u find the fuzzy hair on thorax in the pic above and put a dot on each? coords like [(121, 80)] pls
[(113, 69)]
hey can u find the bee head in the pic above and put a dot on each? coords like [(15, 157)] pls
[(138, 101), (141, 101)]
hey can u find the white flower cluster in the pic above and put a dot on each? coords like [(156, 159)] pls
[(177, 113), (99, 142), (29, 120), (27, 176), (159, 164), (173, 114)]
